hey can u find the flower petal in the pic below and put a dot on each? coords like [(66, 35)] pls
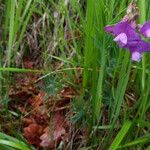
[(139, 26), (121, 39), (136, 56), (109, 29), (140, 46), (147, 33), (124, 27), (145, 29), (127, 37)]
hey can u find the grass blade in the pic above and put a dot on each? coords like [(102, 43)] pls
[(142, 140), (118, 139)]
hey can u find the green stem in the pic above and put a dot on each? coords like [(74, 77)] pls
[(142, 8)]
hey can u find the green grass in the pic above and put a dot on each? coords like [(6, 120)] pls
[(94, 49), (71, 34), (10, 143)]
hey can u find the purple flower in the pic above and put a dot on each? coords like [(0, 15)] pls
[(127, 37), (123, 27), (145, 29), (121, 39), (137, 48)]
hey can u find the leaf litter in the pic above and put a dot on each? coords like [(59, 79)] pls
[(44, 122)]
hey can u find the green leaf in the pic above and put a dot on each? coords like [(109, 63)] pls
[(142, 140), (118, 139)]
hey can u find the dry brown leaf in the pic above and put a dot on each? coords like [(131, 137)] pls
[(40, 118), (67, 93), (28, 121), (37, 100), (45, 138), (32, 133), (28, 64), (53, 135)]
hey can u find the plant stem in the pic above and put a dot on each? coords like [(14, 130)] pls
[(142, 8)]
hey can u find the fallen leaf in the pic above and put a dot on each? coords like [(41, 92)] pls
[(37, 100), (40, 118), (45, 138), (28, 121), (53, 135), (32, 133), (67, 93), (28, 64)]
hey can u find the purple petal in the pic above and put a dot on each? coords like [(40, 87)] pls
[(136, 56), (145, 29), (121, 39), (109, 29), (147, 33), (127, 37), (124, 27), (139, 26), (139, 46)]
